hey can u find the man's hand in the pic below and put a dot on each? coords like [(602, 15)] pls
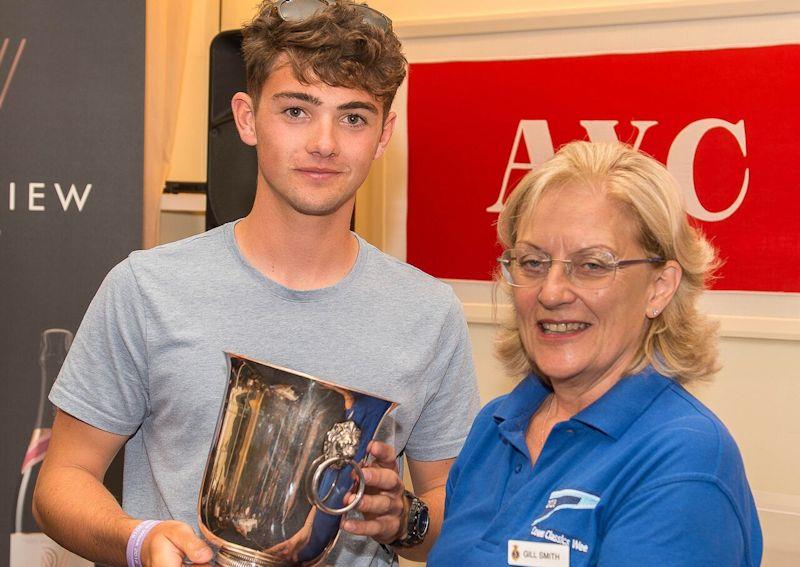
[(170, 542), (383, 502)]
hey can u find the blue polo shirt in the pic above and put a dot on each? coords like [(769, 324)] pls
[(645, 476)]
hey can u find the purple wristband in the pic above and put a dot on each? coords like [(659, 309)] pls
[(134, 550)]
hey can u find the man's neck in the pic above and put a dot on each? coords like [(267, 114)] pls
[(301, 252)]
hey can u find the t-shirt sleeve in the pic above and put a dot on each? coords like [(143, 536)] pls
[(452, 398), (102, 381), (687, 523)]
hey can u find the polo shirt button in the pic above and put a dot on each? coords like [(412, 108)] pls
[(570, 431), (518, 468)]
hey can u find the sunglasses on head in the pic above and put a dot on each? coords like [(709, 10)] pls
[(299, 10)]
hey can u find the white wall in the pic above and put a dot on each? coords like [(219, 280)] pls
[(185, 215)]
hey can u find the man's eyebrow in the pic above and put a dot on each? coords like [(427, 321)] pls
[(359, 105), (310, 99), (305, 97)]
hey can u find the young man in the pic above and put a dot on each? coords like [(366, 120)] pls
[(288, 284)]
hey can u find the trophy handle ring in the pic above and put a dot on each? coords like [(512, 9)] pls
[(320, 470), (331, 489)]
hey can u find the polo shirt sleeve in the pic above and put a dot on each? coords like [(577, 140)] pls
[(686, 523), (102, 381), (452, 393)]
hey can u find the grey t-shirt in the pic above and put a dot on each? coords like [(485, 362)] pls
[(148, 360)]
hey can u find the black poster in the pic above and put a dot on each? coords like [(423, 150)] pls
[(71, 160)]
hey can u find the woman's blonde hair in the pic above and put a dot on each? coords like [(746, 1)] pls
[(680, 342)]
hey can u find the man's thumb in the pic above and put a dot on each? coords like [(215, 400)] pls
[(197, 551)]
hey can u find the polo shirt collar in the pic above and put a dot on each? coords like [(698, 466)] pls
[(612, 414), (523, 400), (618, 408), (515, 411)]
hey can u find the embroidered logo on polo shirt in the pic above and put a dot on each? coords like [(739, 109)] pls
[(565, 499), (568, 499)]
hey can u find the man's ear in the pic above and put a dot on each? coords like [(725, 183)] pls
[(244, 114), (665, 284), (386, 134)]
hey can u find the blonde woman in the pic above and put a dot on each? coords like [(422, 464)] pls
[(600, 456)]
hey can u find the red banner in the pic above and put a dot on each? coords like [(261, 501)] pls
[(725, 122)]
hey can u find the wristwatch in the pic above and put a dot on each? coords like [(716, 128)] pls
[(417, 522)]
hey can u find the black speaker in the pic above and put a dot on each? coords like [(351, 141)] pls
[(232, 168)]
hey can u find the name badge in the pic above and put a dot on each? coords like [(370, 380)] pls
[(537, 554)]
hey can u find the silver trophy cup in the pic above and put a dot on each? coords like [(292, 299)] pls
[(287, 449)]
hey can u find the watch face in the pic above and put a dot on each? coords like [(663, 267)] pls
[(423, 521)]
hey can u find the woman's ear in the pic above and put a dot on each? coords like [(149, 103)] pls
[(665, 284), (244, 114)]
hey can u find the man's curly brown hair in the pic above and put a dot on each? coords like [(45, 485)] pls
[(335, 46)]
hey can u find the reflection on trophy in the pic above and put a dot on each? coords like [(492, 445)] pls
[(287, 449)]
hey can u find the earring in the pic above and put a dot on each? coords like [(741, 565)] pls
[(655, 312)]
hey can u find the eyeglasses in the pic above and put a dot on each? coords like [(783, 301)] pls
[(524, 267), (299, 10)]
